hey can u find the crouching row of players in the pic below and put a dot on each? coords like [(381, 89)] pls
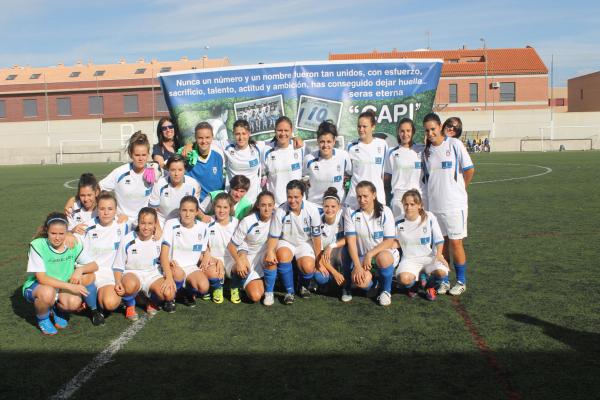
[(351, 248)]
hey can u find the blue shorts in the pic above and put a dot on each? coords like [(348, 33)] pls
[(28, 294)]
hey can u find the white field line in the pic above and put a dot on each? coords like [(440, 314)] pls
[(104, 357), (67, 184), (547, 170)]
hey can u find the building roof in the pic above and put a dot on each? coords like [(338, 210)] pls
[(521, 61), (80, 72)]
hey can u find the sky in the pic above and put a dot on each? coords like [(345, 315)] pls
[(44, 33)]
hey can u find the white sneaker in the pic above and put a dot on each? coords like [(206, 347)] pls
[(458, 289), (443, 288), (346, 296), (385, 299), (269, 299)]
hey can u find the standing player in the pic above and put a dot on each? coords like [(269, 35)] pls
[(54, 285), (101, 241), (136, 267), (366, 155), (295, 232), (184, 244), (247, 247), (84, 207), (169, 190), (448, 170), (327, 166), (403, 166), (370, 235), (220, 232), (282, 162), (421, 242)]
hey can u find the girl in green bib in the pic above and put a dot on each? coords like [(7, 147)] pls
[(54, 285)]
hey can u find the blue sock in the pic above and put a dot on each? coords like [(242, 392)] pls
[(286, 274), (461, 272), (385, 277), (215, 283), (439, 280), (270, 278), (237, 282), (347, 271), (92, 296), (41, 317), (130, 300), (446, 279), (179, 284), (306, 278), (155, 299), (322, 279)]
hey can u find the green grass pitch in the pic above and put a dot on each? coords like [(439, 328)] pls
[(532, 299)]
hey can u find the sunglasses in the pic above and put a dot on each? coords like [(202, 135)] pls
[(164, 128), (453, 127)]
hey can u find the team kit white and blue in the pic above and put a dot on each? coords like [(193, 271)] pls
[(250, 237), (403, 166), (367, 161), (219, 235), (165, 197), (208, 171), (330, 234), (281, 165), (324, 173), (131, 190)]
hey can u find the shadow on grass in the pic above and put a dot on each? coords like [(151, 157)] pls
[(22, 308)]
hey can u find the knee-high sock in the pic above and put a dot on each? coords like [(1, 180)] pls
[(270, 278), (385, 277), (215, 283), (92, 298), (306, 278), (129, 300), (461, 272), (322, 279), (236, 281), (286, 274), (179, 284)]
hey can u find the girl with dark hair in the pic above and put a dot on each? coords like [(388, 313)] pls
[(247, 247), (326, 167), (136, 267), (370, 235), (295, 232), (452, 127), (54, 286), (168, 141), (367, 155), (421, 241), (282, 162), (448, 170), (84, 208), (403, 166), (169, 190), (332, 240)]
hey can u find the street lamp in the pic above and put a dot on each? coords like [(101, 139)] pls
[(486, 71)]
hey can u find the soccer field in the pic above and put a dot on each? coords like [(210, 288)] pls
[(527, 327)]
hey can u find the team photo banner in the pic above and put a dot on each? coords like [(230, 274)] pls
[(306, 92)]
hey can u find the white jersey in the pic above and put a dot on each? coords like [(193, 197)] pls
[(296, 229), (219, 237), (418, 239), (102, 243), (186, 245), (131, 191), (281, 166), (367, 165), (165, 197), (404, 166), (331, 233), (443, 173), (245, 162), (251, 234), (136, 254), (324, 173), (369, 231), (80, 215)]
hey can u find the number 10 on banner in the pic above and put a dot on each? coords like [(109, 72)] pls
[(313, 110)]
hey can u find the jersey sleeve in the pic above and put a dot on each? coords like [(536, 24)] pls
[(349, 227), (239, 236), (389, 226), (305, 162), (196, 185), (464, 159), (154, 200), (315, 222), (84, 257), (167, 234), (206, 204), (35, 262), (121, 257), (110, 181), (347, 163), (276, 227), (387, 164)]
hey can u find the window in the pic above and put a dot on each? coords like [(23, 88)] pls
[(2, 108), (580, 94), (453, 93), (100, 72), (74, 74), (30, 108), (11, 77), (63, 106), (161, 104), (34, 76), (131, 103), (96, 105), (165, 69), (473, 92), (507, 91), (140, 71)]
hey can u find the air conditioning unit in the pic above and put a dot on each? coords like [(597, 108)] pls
[(495, 85)]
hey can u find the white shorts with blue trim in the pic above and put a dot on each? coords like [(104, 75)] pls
[(146, 278), (453, 224), (304, 249), (415, 265)]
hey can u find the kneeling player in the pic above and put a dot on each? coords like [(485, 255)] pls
[(421, 241)]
